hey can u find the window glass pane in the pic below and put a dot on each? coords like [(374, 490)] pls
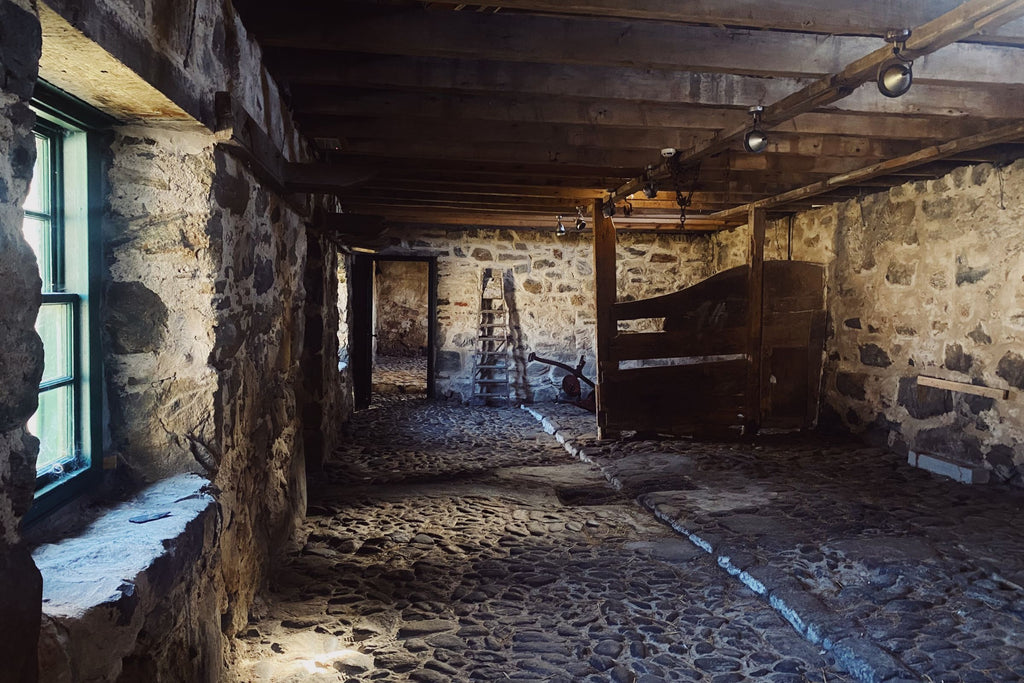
[(37, 233), (38, 199), (54, 328), (53, 425)]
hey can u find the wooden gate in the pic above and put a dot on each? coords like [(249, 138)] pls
[(736, 352)]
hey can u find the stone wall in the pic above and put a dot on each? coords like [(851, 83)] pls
[(925, 279), (219, 319), (928, 279), (21, 360), (400, 300), (552, 287)]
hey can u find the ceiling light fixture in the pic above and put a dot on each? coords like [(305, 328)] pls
[(608, 209), (755, 141), (895, 76), (650, 189), (580, 223)]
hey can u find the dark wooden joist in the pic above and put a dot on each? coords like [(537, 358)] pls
[(924, 156), (522, 152), (439, 167), (428, 187), (604, 41), (679, 136), (459, 128), (831, 17), (416, 198), (431, 74), (602, 112), (382, 206)]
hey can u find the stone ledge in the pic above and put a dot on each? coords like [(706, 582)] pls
[(948, 467), (102, 586)]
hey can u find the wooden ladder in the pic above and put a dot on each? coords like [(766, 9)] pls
[(491, 361)]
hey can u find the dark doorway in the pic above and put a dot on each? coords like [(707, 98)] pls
[(394, 319)]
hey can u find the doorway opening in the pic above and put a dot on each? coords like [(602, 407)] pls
[(396, 328)]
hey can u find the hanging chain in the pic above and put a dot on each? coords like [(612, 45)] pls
[(683, 178)]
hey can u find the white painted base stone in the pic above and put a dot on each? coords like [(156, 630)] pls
[(965, 474)]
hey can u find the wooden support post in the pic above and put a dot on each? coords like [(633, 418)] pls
[(755, 326), (604, 287)]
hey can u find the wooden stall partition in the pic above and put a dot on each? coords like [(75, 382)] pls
[(737, 351)]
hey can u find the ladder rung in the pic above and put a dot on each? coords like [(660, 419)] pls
[(491, 381), (492, 367), (492, 338)]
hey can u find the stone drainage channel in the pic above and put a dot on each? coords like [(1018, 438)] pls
[(897, 574)]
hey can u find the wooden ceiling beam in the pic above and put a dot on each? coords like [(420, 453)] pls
[(485, 132), (967, 19), (469, 219), (834, 17), (401, 166), (557, 137), (440, 187), (911, 161), (635, 85), (308, 101), (604, 41)]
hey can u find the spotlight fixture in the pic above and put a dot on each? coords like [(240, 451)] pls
[(895, 75), (650, 189), (581, 224), (560, 230), (755, 141), (608, 209)]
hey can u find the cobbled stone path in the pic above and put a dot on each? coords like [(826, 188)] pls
[(900, 574), (453, 544), (400, 375)]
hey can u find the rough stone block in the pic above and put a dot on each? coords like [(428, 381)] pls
[(136, 318), (901, 274), (921, 401), (852, 384), (874, 356), (1011, 368), (965, 474)]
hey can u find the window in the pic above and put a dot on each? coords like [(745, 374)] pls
[(60, 203)]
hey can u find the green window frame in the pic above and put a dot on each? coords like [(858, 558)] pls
[(61, 223)]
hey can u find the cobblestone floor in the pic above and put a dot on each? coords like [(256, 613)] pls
[(400, 375), (453, 544), (897, 572)]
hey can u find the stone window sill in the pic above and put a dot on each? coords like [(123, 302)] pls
[(101, 585)]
